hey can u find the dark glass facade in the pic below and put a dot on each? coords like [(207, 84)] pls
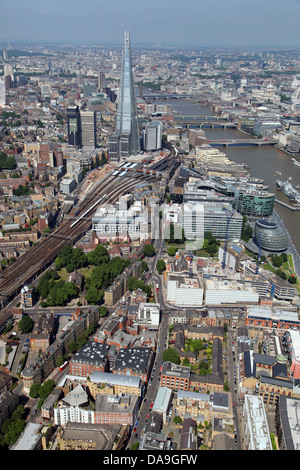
[(74, 127)]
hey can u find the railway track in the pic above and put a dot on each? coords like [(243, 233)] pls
[(42, 254)]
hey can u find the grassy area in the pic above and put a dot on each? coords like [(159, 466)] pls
[(287, 267), (86, 272)]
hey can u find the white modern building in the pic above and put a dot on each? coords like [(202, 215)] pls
[(2, 93), (67, 185), (153, 136), (88, 129), (111, 221), (184, 292), (162, 402), (257, 433), (149, 314), (229, 292), (219, 219), (73, 408)]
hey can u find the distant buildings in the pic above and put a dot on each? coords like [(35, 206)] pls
[(2, 93)]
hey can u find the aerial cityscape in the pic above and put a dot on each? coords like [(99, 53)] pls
[(149, 230)]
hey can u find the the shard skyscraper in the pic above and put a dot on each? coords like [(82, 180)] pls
[(126, 140)]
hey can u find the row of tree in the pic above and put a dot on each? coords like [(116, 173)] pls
[(55, 291), (41, 391), (12, 428), (105, 270)]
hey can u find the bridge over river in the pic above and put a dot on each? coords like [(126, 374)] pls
[(241, 142)]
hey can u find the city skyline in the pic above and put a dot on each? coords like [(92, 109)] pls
[(236, 23)]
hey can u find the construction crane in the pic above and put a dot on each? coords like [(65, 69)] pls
[(259, 255), (226, 239)]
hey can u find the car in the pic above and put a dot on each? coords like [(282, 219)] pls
[(147, 415)]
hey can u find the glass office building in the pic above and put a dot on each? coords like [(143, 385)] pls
[(255, 203), (270, 236), (74, 127), (126, 140)]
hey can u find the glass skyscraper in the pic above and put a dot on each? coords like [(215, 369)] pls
[(126, 140)]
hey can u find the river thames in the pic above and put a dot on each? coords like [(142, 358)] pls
[(262, 161)]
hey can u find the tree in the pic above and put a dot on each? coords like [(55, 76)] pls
[(34, 390), (26, 324), (277, 261), (149, 250), (246, 230), (160, 266), (177, 420), (172, 250), (98, 256), (93, 296), (102, 311), (171, 355)]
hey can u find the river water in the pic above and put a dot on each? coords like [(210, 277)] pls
[(263, 162)]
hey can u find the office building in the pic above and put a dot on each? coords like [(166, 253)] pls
[(101, 80), (255, 203), (175, 377), (135, 362), (88, 129), (2, 93), (184, 291), (91, 358), (219, 219), (153, 136), (8, 76), (149, 314), (88, 436), (74, 127), (116, 409), (126, 139)]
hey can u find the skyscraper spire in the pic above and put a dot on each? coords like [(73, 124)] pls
[(126, 140)]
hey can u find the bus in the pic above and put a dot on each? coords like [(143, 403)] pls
[(63, 366)]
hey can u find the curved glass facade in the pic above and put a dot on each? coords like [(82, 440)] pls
[(270, 236), (255, 204)]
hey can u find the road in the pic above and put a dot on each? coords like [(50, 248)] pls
[(144, 415), (232, 369)]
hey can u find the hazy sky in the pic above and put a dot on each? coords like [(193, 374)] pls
[(178, 22)]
